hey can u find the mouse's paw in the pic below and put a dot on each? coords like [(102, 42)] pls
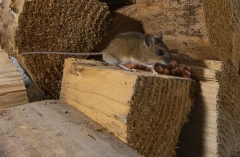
[(154, 72), (126, 68), (133, 70)]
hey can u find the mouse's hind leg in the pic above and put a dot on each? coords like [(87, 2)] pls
[(126, 68)]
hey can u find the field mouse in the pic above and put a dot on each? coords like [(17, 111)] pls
[(130, 47)]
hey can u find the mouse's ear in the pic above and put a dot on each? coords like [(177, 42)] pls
[(149, 40), (160, 36)]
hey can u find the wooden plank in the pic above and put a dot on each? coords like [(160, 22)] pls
[(53, 128), (8, 89), (203, 74), (13, 91), (203, 100), (206, 95), (11, 99), (109, 107), (204, 119), (209, 86), (196, 151), (112, 124), (213, 121), (142, 109), (206, 110), (210, 64), (208, 136)]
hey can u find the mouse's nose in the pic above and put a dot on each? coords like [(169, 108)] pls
[(168, 60)]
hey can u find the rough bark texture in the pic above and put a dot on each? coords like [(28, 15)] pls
[(213, 126), (144, 110), (200, 29), (64, 26)]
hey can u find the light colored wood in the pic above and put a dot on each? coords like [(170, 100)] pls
[(212, 128), (53, 128), (12, 88), (199, 152), (209, 109), (103, 104), (208, 86), (112, 124), (210, 64), (196, 29), (182, 24), (142, 109)]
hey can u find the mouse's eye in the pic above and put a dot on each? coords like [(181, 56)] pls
[(160, 52)]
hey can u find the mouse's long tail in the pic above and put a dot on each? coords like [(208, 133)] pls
[(63, 53)]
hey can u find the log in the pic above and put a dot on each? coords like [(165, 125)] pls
[(213, 126), (12, 88), (62, 26), (144, 110), (53, 128), (198, 29)]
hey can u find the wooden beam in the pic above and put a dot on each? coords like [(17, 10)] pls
[(144, 110), (54, 128), (213, 128), (13, 91)]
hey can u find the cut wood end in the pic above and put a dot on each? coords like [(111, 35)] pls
[(134, 106)]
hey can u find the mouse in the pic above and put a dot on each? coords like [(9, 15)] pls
[(130, 47)]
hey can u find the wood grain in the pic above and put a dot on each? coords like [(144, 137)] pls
[(212, 129), (141, 109), (53, 128), (195, 29), (12, 88)]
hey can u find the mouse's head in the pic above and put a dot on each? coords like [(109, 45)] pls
[(157, 49)]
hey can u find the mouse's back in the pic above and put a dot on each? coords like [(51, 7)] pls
[(136, 48)]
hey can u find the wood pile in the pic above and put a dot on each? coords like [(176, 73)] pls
[(213, 128), (198, 29), (66, 26), (204, 30), (144, 110), (12, 89)]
